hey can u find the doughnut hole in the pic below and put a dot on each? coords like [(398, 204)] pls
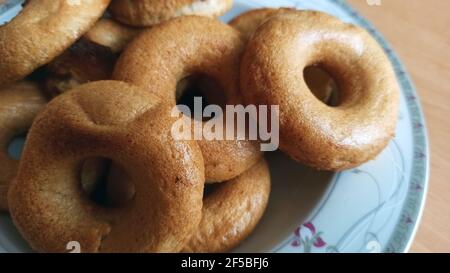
[(15, 146), (106, 183), (209, 188), (203, 86), (321, 84)]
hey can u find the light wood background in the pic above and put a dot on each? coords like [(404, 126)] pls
[(419, 31)]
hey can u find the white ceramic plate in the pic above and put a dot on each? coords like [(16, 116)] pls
[(374, 208)]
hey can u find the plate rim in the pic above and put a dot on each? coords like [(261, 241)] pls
[(403, 235), (409, 220)]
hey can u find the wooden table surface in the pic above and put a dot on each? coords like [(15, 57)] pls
[(419, 31)]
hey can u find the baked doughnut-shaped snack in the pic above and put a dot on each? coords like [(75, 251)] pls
[(19, 105), (152, 12), (42, 31), (168, 53), (116, 121), (247, 23), (92, 58), (324, 137), (232, 211)]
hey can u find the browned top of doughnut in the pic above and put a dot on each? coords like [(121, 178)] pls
[(232, 210), (321, 136), (151, 12), (19, 104), (116, 121), (42, 31)]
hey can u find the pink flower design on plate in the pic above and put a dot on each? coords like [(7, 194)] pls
[(411, 98), (407, 219), (416, 187), (307, 236)]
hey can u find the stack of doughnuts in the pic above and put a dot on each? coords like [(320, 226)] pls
[(93, 85)]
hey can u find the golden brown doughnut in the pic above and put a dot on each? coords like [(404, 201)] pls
[(111, 120), (152, 12), (164, 55), (42, 31), (19, 104), (324, 137), (92, 58), (247, 23), (232, 211)]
